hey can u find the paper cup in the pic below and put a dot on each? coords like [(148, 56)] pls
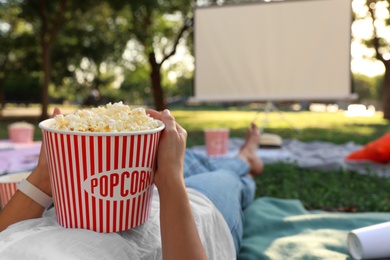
[(9, 185), (370, 242), (216, 140), (101, 181), (21, 132)]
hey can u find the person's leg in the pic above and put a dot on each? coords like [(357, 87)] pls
[(230, 192), (196, 164), (226, 182)]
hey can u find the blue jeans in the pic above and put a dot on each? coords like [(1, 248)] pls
[(226, 183)]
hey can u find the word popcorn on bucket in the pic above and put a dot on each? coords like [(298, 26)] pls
[(116, 184), (101, 164)]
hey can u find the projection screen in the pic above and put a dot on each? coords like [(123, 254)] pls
[(284, 50)]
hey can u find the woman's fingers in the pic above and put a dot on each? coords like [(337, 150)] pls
[(56, 111), (153, 113), (168, 119), (181, 130), (170, 123)]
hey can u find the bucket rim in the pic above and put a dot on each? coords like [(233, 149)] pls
[(46, 126), (13, 177)]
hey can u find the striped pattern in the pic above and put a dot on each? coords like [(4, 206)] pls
[(7, 190), (74, 160)]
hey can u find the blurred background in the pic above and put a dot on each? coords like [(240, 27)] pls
[(86, 53), (141, 52)]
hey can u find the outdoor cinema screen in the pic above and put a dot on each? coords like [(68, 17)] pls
[(278, 50)]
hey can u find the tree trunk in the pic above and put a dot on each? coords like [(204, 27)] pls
[(46, 53), (47, 37), (2, 97), (386, 92), (155, 76), (377, 46)]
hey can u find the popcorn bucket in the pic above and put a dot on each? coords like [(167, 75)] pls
[(101, 181), (9, 185), (216, 141), (21, 132)]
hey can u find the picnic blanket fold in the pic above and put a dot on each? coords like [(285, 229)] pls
[(283, 229)]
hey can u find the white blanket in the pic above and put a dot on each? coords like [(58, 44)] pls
[(43, 238)]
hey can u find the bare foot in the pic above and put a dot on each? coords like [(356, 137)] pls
[(249, 148)]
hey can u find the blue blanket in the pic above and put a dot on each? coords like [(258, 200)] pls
[(284, 229)]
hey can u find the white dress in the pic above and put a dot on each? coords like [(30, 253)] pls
[(44, 238)]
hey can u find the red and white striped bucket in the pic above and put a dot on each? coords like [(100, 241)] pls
[(9, 185), (101, 181)]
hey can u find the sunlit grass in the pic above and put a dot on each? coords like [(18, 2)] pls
[(305, 126), (332, 127)]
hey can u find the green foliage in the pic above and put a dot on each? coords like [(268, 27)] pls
[(136, 89), (368, 88), (89, 48), (17, 41), (157, 27), (111, 95), (99, 31), (181, 88), (338, 190), (22, 88)]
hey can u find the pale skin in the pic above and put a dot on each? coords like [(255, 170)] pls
[(179, 236)]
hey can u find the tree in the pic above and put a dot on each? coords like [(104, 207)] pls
[(50, 17), (70, 32), (89, 48), (8, 26), (378, 12), (158, 26), (17, 48), (135, 87)]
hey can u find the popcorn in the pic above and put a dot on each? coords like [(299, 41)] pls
[(115, 117)]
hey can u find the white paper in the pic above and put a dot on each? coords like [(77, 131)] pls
[(370, 242)]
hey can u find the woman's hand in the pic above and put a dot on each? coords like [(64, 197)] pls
[(179, 236), (170, 155)]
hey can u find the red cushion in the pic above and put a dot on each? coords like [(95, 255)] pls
[(377, 151)]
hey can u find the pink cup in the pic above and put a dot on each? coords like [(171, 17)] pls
[(21, 132), (9, 185), (101, 181), (216, 141)]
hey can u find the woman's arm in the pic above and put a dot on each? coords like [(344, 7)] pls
[(22, 207), (180, 238)]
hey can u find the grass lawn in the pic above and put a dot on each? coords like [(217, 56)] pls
[(332, 127), (331, 190)]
